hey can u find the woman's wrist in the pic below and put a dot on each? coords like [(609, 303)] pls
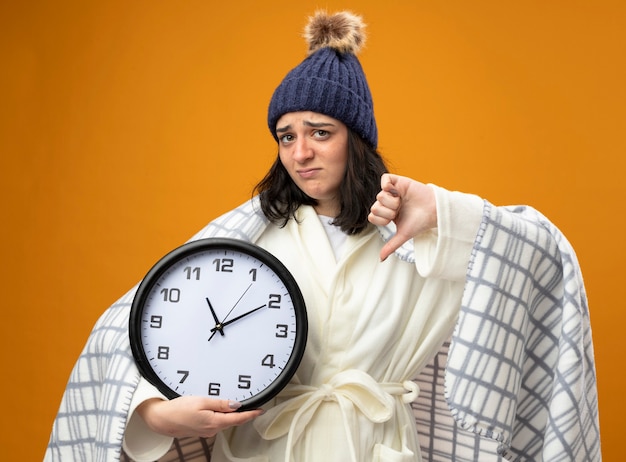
[(146, 411)]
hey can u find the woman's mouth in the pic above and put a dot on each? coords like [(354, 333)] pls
[(308, 172)]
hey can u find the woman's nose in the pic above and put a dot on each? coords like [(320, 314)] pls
[(302, 150)]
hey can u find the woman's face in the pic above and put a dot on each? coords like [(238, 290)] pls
[(313, 148)]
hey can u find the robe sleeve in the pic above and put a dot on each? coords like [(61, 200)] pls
[(140, 443), (444, 252)]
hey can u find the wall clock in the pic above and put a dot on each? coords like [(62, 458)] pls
[(219, 317)]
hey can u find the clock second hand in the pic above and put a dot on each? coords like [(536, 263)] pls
[(220, 325)]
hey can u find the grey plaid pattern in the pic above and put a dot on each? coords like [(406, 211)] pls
[(519, 374), (92, 416), (441, 438), (520, 368)]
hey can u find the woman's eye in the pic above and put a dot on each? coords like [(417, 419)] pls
[(286, 138), (321, 133)]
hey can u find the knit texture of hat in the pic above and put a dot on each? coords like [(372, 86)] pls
[(330, 80)]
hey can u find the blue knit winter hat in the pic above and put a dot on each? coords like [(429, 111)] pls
[(330, 80)]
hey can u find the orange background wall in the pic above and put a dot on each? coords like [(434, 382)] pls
[(126, 126)]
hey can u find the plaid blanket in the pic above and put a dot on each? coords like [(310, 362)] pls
[(520, 370)]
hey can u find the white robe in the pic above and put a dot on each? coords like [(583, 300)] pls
[(372, 327)]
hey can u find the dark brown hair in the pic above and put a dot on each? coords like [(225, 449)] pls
[(280, 197)]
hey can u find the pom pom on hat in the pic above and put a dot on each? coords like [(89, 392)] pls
[(345, 32), (330, 80)]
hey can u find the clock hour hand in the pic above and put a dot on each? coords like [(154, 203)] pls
[(218, 326)]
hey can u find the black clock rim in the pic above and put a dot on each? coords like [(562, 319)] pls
[(200, 245)]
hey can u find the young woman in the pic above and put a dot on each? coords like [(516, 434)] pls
[(385, 264)]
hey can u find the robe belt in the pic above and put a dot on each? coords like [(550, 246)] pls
[(350, 389)]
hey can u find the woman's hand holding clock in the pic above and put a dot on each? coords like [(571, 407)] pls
[(193, 416)]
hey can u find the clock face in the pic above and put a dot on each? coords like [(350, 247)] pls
[(221, 318)]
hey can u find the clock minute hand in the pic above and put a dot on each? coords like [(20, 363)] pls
[(219, 327)]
